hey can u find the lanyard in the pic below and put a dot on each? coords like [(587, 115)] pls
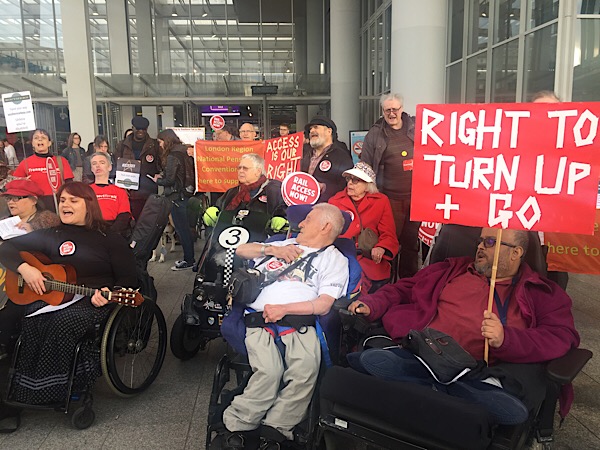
[(503, 307)]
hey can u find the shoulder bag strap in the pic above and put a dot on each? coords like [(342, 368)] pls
[(356, 209), (308, 257)]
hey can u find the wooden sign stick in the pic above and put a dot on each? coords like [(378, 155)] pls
[(486, 348)]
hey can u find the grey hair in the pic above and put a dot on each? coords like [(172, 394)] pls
[(521, 239), (387, 97), (545, 94), (331, 214), (104, 155), (372, 188), (257, 160)]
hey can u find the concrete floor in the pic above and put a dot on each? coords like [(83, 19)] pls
[(172, 413)]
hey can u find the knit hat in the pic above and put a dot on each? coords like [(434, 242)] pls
[(140, 123), (363, 171)]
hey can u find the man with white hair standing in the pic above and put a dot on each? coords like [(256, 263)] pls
[(306, 275), (247, 132), (388, 148)]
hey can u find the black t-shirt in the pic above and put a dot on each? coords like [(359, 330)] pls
[(137, 148)]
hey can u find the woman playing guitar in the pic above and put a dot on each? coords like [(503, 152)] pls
[(102, 261)]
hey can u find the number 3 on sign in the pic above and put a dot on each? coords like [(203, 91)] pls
[(233, 237)]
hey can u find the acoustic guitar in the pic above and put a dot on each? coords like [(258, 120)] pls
[(60, 285)]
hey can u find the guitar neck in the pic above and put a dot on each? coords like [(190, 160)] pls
[(68, 288)]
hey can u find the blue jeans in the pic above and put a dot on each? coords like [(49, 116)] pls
[(182, 227)]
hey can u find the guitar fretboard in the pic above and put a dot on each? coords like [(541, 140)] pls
[(61, 286)]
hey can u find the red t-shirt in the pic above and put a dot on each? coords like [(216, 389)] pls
[(34, 167), (113, 200), (462, 303)]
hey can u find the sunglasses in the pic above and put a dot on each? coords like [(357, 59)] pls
[(489, 242), (353, 180), (14, 198)]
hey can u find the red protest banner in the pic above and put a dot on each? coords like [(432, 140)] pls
[(300, 188), (522, 166), (217, 162), (283, 155)]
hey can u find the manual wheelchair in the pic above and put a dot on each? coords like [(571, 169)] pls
[(415, 416)]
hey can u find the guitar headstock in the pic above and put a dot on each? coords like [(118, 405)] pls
[(127, 297)]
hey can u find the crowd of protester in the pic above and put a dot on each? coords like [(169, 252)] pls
[(375, 193)]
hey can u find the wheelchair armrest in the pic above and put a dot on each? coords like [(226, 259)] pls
[(563, 370), (341, 304)]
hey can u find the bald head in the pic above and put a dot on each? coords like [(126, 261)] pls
[(247, 132)]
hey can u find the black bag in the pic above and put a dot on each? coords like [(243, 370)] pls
[(440, 353), (150, 226), (245, 285)]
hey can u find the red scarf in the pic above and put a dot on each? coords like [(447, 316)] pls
[(243, 194)]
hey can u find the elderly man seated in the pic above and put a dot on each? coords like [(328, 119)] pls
[(531, 323), (308, 290)]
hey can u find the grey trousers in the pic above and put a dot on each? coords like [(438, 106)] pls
[(262, 401)]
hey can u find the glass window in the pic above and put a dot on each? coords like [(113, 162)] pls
[(540, 12), (586, 82), (380, 55), (507, 20), (453, 83), (504, 73), (372, 59), (589, 7), (478, 30), (476, 74), (540, 61), (455, 31), (387, 50)]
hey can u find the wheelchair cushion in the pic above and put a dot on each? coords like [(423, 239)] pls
[(418, 411)]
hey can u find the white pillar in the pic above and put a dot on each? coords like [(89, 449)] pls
[(149, 112), (127, 113), (301, 117), (143, 16), (418, 42), (167, 117), (345, 66), (81, 91), (118, 37), (163, 46)]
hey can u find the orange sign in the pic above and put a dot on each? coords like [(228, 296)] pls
[(576, 253), (217, 162), (283, 155)]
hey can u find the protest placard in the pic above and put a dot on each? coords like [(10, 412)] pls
[(217, 162), (521, 166), (18, 111), (128, 174), (300, 188), (283, 155)]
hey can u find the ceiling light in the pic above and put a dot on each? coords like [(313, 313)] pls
[(174, 12), (36, 32), (204, 13)]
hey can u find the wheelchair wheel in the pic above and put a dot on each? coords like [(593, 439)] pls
[(133, 348), (186, 340), (83, 417)]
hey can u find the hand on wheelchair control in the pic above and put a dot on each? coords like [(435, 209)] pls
[(492, 329), (33, 277), (357, 307), (97, 299)]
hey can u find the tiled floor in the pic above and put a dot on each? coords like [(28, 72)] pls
[(172, 413)]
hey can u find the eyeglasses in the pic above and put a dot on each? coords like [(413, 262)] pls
[(353, 180), (14, 198), (489, 242), (388, 111)]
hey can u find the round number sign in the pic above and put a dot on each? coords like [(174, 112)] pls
[(233, 237)]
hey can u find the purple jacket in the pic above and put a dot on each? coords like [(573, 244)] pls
[(411, 303)]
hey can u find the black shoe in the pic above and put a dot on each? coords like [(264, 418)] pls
[(233, 441), (504, 409), (270, 438), (269, 444)]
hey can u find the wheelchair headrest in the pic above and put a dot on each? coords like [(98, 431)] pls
[(297, 213)]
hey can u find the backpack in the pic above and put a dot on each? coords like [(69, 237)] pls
[(189, 173)]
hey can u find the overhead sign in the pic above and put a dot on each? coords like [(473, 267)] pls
[(18, 111), (532, 166), (300, 188), (270, 89), (217, 122)]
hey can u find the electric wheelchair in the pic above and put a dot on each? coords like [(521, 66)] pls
[(203, 310), (235, 362), (357, 408)]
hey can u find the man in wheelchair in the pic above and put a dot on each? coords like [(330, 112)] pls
[(285, 360), (531, 323)]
